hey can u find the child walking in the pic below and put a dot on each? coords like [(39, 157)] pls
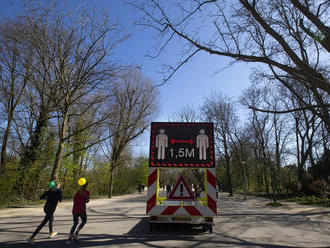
[(79, 209), (53, 195)]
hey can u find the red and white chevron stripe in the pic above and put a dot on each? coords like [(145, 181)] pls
[(152, 189), (199, 210)]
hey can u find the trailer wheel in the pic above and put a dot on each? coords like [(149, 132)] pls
[(211, 228), (206, 227)]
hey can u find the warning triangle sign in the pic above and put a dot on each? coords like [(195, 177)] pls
[(181, 191)]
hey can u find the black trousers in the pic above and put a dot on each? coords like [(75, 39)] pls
[(83, 218), (48, 218)]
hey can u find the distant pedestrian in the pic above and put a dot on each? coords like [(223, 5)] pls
[(53, 195), (168, 189), (79, 209), (198, 191), (140, 188)]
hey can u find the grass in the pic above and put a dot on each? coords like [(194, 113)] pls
[(19, 203), (303, 200), (310, 200)]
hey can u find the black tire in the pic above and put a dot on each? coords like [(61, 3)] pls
[(211, 228), (205, 227), (151, 227)]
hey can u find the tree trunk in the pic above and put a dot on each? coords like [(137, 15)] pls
[(111, 181), (299, 163), (3, 159), (266, 179), (273, 176), (245, 181), (229, 183), (228, 171), (260, 179), (60, 149), (31, 151)]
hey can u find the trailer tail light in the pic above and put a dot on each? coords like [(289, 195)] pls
[(153, 218), (159, 218)]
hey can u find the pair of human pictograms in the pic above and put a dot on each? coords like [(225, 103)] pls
[(202, 143)]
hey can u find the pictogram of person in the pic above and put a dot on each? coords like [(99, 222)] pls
[(202, 143), (161, 144)]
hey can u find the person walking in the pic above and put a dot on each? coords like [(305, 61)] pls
[(79, 209), (198, 191), (168, 190), (53, 195)]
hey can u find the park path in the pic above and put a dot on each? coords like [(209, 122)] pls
[(121, 222)]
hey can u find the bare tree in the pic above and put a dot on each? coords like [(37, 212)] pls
[(78, 52), (14, 75), (134, 103), (185, 114), (70, 50), (282, 132), (300, 129), (220, 110), (240, 145), (306, 125), (289, 37), (262, 126)]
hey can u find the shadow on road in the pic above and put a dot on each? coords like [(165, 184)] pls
[(134, 198), (140, 235), (165, 229)]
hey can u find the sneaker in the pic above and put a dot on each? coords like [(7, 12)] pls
[(70, 239), (76, 237), (52, 235), (30, 241)]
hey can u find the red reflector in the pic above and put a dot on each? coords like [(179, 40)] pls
[(208, 219)]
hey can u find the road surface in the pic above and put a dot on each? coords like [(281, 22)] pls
[(121, 222)]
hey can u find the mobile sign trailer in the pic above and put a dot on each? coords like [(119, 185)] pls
[(187, 146)]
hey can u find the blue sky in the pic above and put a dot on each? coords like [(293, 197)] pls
[(193, 82), (189, 86)]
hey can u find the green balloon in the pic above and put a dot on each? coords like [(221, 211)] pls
[(52, 184)]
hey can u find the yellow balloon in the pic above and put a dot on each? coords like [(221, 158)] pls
[(82, 181)]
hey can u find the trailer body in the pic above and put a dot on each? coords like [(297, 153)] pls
[(182, 146)]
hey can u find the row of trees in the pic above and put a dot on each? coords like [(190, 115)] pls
[(289, 122), (263, 152), (67, 110)]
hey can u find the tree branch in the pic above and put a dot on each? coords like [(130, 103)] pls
[(286, 111)]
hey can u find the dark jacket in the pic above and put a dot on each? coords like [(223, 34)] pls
[(52, 196)]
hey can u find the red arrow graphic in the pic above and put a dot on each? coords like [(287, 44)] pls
[(190, 141)]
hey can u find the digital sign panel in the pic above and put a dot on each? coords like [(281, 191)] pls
[(182, 144)]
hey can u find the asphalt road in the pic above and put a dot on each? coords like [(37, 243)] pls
[(121, 222)]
